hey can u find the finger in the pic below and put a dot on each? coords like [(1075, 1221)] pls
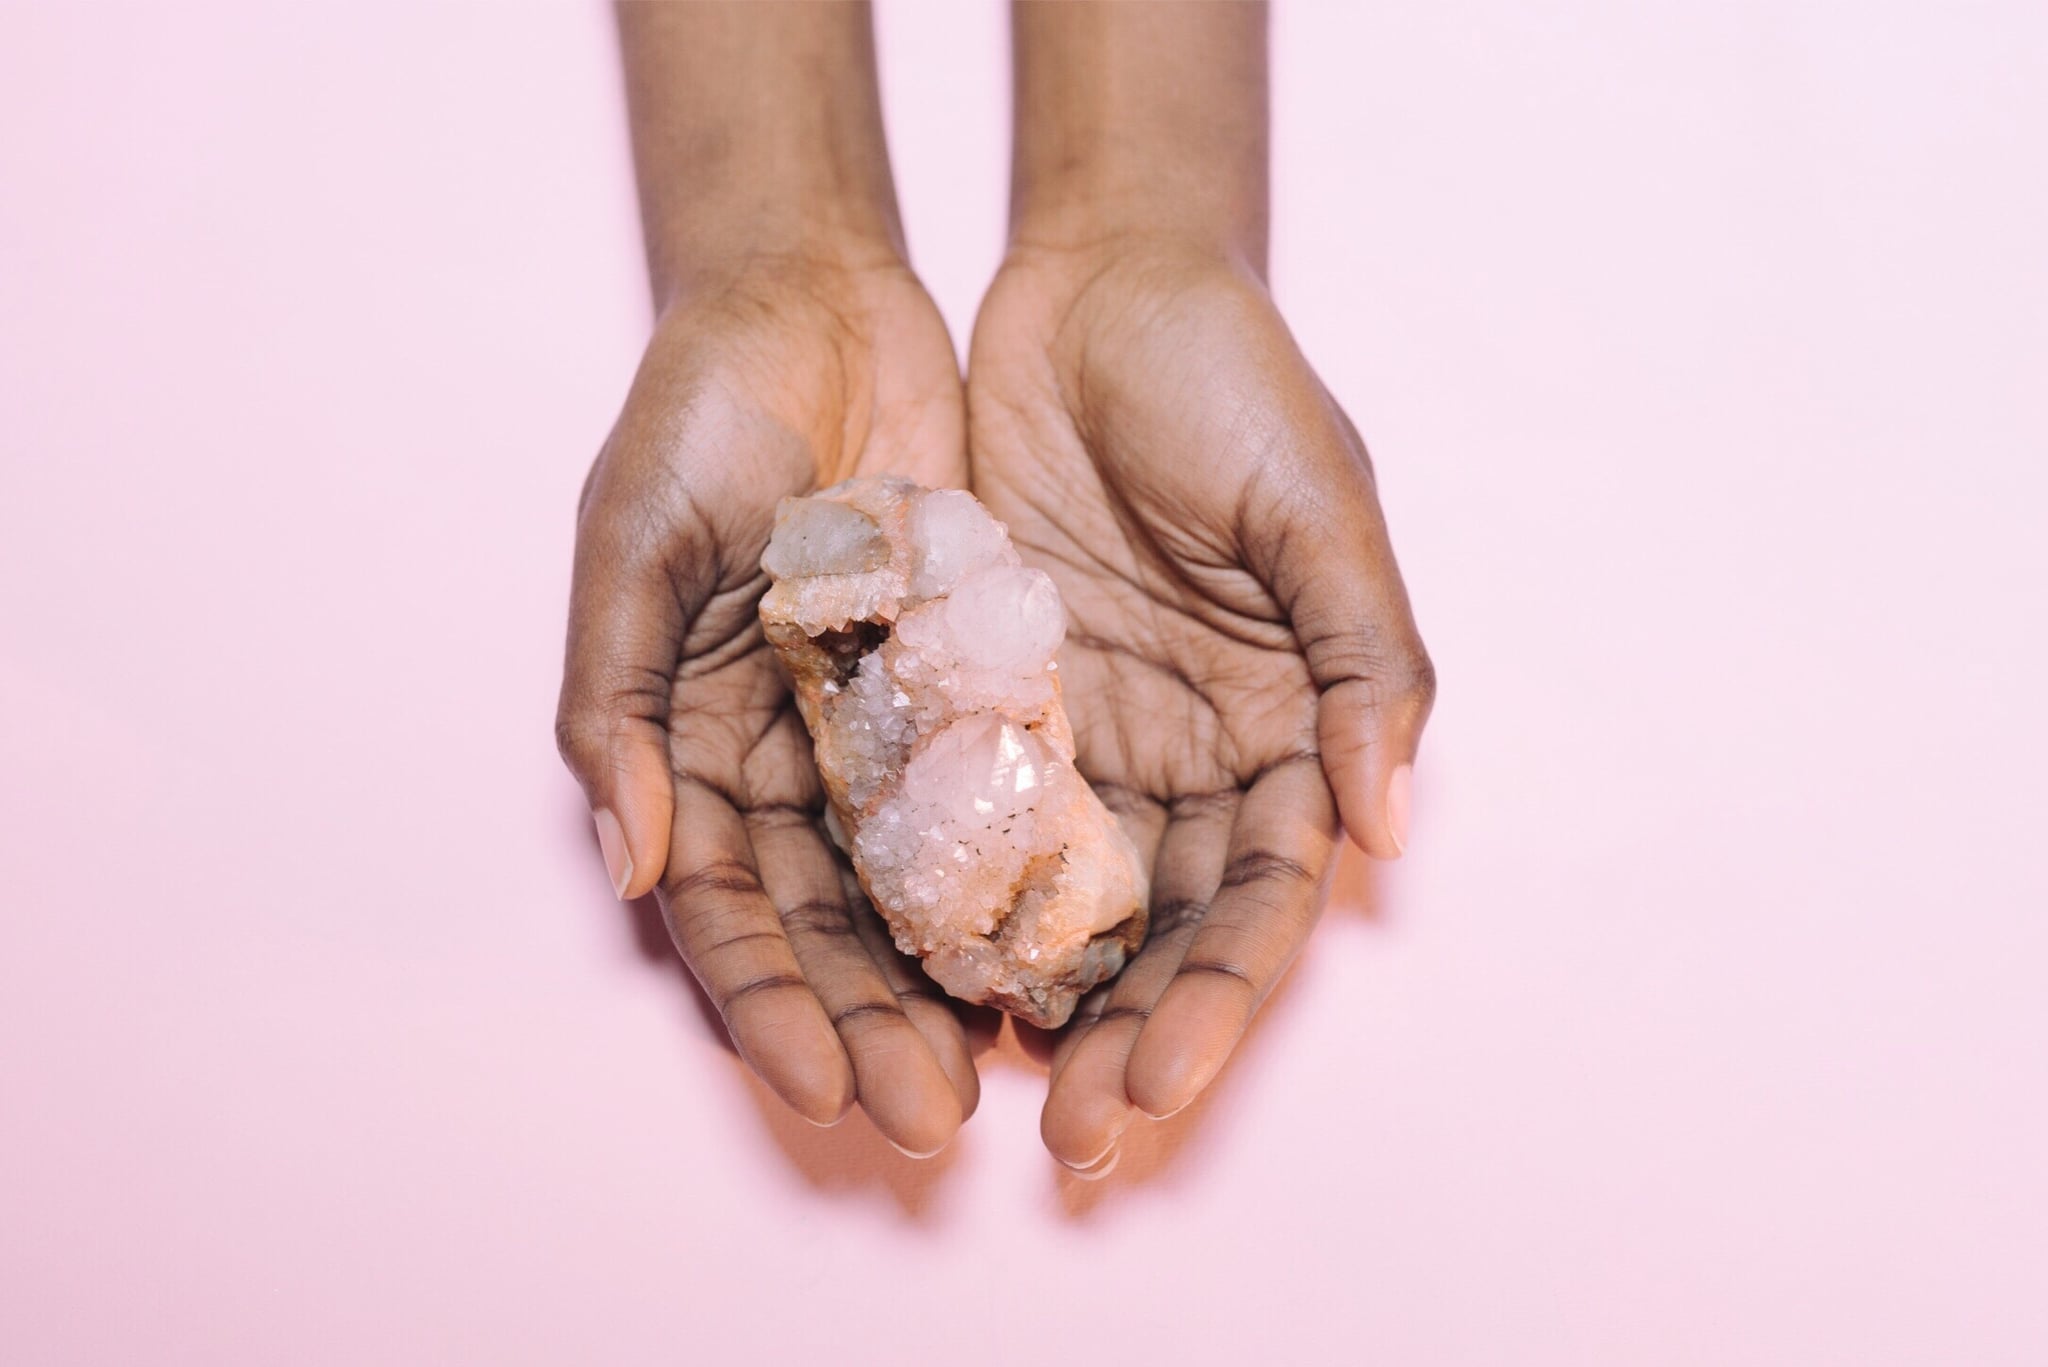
[(898, 1081), (1266, 903), (625, 634), (1054, 1047), (1144, 820), (972, 1029), (939, 1019), (1331, 566), (1088, 1104), (729, 933), (979, 1025), (1187, 848)]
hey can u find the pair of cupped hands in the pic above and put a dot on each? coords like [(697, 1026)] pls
[(1242, 670)]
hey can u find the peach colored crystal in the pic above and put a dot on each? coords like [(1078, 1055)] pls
[(921, 653)]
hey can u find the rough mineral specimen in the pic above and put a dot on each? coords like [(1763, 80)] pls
[(922, 657)]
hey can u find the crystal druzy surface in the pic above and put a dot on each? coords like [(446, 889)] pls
[(921, 653)]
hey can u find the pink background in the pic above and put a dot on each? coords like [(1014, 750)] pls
[(1705, 353)]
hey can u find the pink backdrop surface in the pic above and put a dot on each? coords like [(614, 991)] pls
[(1704, 350)]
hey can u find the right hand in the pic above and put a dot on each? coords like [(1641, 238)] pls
[(1241, 662), (788, 376)]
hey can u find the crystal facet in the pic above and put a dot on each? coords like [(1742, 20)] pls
[(921, 652)]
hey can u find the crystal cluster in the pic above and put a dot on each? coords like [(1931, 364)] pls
[(921, 653)]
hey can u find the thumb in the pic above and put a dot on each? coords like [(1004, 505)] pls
[(1335, 576), (625, 634)]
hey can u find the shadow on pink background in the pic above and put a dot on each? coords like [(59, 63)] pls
[(1703, 355), (853, 1156)]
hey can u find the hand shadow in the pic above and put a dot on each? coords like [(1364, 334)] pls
[(850, 1157), (1161, 1151), (853, 1157)]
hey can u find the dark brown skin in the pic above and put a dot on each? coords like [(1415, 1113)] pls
[(793, 349), (1241, 663), (1242, 669)]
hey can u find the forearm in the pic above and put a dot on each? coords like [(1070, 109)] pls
[(1141, 118), (757, 129)]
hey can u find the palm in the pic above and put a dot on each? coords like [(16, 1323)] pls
[(1182, 672), (1140, 426), (790, 380), (797, 393)]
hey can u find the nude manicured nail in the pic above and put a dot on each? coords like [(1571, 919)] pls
[(913, 1153), (618, 860), (1101, 1167), (1400, 792)]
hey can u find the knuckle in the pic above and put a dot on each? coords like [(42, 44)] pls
[(1265, 866), (1178, 914), (1223, 968), (1395, 673), (715, 882), (1344, 646), (752, 941), (596, 716), (862, 1017), (757, 987), (1415, 681), (782, 816), (579, 737), (819, 916)]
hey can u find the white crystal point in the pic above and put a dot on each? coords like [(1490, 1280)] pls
[(1007, 619), (921, 653), (816, 536), (952, 534), (841, 548), (983, 768)]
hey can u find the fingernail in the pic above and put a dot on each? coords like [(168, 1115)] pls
[(618, 860), (1100, 1158), (1400, 792), (913, 1153), (1102, 1167)]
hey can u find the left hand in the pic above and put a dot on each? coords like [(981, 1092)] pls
[(789, 374), (1241, 665)]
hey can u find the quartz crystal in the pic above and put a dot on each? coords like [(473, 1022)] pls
[(921, 653)]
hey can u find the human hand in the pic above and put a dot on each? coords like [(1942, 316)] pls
[(1241, 665), (674, 715), (794, 349)]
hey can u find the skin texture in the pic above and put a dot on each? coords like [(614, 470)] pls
[(1238, 643), (1242, 666), (793, 349), (1242, 670)]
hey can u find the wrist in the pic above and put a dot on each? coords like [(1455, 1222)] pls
[(757, 132), (1141, 121), (1128, 223), (1078, 248), (725, 243)]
